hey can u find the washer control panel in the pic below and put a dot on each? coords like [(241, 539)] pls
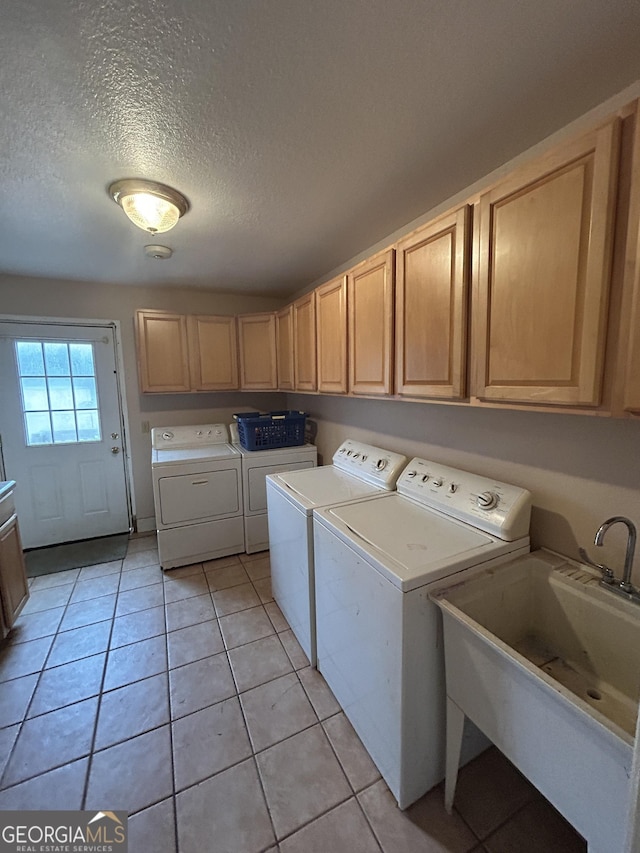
[(497, 508), (169, 438), (369, 463)]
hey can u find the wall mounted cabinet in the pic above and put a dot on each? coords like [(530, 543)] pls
[(370, 301), (304, 343), (630, 361), (179, 353), (543, 267), (284, 348), (213, 352), (163, 352), (257, 339), (331, 336), (432, 285)]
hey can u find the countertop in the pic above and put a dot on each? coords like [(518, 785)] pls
[(6, 486)]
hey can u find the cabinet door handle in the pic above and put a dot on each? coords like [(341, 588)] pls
[(199, 482), (8, 523)]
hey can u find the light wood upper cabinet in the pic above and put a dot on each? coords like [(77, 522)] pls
[(213, 352), (163, 354), (257, 340), (284, 348), (370, 300), (178, 353), (331, 336), (432, 288), (543, 273), (631, 298), (304, 342)]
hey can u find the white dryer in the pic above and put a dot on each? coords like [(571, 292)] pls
[(358, 471), (256, 464), (197, 492), (379, 637)]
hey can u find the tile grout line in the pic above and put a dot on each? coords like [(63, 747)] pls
[(87, 777), (174, 795)]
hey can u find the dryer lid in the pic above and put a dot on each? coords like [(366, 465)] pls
[(205, 453)]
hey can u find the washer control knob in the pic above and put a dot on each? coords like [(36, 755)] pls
[(411, 474), (381, 464), (487, 500), (438, 482), (356, 454), (342, 450), (453, 488), (167, 435), (425, 477), (364, 457)]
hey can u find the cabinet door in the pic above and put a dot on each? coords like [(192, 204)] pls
[(14, 589), (432, 289), (304, 343), (284, 346), (370, 289), (545, 240), (163, 355), (631, 305), (213, 353), (331, 336), (257, 338)]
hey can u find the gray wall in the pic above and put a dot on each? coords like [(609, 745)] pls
[(580, 469), (50, 298)]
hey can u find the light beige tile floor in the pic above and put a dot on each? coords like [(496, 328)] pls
[(184, 698)]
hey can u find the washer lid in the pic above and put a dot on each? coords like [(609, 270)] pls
[(322, 486), (410, 545)]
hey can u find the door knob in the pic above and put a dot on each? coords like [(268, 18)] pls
[(115, 449)]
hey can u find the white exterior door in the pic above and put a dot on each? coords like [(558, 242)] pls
[(61, 431)]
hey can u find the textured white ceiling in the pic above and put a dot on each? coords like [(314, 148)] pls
[(301, 132)]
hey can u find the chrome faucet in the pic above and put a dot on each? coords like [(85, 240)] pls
[(631, 546), (622, 587)]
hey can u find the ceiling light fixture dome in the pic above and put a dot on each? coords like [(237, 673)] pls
[(151, 206)]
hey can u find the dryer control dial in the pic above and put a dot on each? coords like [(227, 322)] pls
[(381, 464), (438, 482), (487, 500), (167, 435), (411, 474)]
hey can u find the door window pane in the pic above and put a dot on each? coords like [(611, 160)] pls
[(88, 426), (84, 389), (34, 394), (81, 359), (30, 358), (59, 392), (38, 428), (64, 427), (56, 358)]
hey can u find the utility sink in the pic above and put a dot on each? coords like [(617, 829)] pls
[(547, 664)]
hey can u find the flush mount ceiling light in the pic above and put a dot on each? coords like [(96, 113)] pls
[(153, 207)]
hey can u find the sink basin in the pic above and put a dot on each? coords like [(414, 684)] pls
[(547, 664)]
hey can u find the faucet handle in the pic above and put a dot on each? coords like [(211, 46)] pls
[(607, 574)]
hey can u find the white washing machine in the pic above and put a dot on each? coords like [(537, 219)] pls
[(379, 637), (197, 492), (256, 464), (358, 471)]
